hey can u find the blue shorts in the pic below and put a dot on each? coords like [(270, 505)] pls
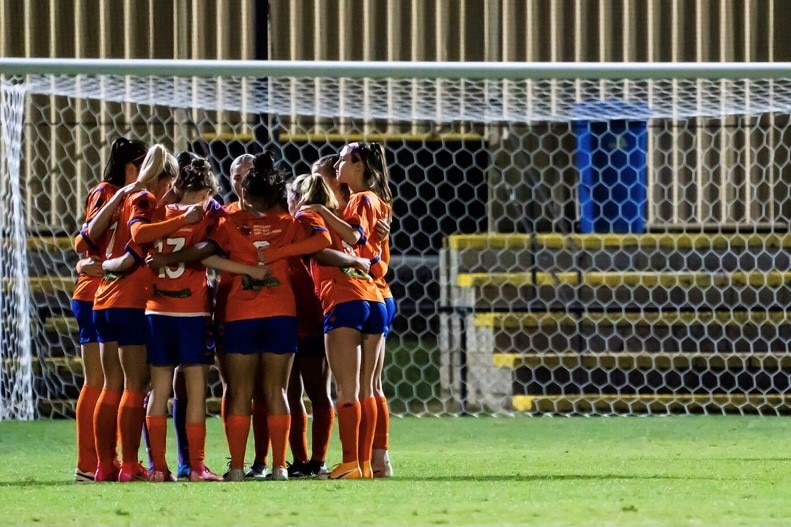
[(363, 315), (311, 346), (83, 312), (271, 334), (178, 340), (123, 325), (390, 306)]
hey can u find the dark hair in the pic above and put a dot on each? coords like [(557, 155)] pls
[(265, 184), (123, 151), (375, 170), (194, 174), (185, 158)]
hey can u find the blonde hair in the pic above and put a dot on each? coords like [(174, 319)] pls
[(311, 189), (158, 164)]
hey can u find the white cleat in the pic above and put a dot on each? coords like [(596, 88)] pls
[(380, 463), (280, 473)]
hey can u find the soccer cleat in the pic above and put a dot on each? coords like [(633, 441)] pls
[(280, 473), (138, 472), (204, 475), (234, 474), (380, 462), (298, 469), (109, 475), (81, 476), (183, 471), (257, 470), (365, 468), (350, 470), (317, 468)]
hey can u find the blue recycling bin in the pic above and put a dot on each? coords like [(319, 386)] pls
[(611, 157)]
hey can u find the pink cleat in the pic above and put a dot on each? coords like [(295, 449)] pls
[(138, 472), (204, 474), (106, 475)]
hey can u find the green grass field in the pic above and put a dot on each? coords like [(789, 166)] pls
[(683, 470)]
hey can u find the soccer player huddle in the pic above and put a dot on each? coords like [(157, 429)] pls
[(299, 299)]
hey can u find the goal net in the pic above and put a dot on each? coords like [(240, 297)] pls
[(565, 241)]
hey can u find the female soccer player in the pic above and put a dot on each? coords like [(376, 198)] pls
[(119, 315), (355, 312), (178, 315), (259, 316), (122, 169), (362, 167)]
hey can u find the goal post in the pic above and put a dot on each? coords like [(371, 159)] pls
[(568, 237)]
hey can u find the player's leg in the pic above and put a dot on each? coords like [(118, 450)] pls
[(380, 456), (297, 435), (180, 402), (371, 341), (156, 417), (91, 390), (259, 468), (343, 346), (279, 343), (316, 378), (240, 363), (196, 377), (105, 417)]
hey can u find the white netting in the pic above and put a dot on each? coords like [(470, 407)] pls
[(443, 101), (16, 374), (567, 246)]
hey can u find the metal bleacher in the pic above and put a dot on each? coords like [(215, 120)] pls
[(615, 323)]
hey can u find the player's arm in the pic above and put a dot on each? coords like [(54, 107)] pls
[(99, 223), (143, 232), (348, 233), (192, 253), (336, 258), (89, 266), (312, 244), (120, 264), (258, 272)]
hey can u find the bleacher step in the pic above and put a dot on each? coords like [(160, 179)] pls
[(653, 403)]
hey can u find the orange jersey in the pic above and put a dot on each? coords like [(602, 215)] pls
[(309, 311), (336, 285), (363, 211), (224, 282), (241, 235), (85, 287), (130, 289), (181, 289)]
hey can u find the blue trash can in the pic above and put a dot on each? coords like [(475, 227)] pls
[(611, 157)]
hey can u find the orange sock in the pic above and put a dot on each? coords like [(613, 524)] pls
[(105, 428), (279, 426), (86, 442), (237, 428), (323, 418), (157, 438), (349, 430), (367, 426), (382, 432), (260, 431), (131, 417), (298, 437), (196, 442)]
